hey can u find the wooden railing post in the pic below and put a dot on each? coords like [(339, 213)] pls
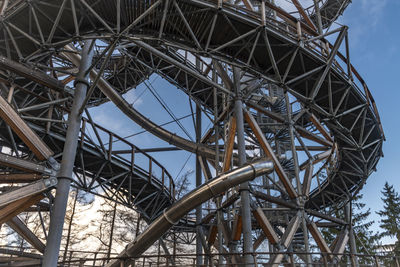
[(377, 264), (324, 259), (94, 259)]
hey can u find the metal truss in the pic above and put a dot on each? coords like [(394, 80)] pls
[(269, 81)]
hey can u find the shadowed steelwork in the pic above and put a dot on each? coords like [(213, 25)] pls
[(262, 72)]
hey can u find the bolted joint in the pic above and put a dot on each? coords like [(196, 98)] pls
[(52, 181), (53, 164), (79, 80)]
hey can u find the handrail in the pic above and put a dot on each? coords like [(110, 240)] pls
[(170, 187), (292, 22)]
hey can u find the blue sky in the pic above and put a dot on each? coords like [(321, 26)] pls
[(375, 43), (374, 51)]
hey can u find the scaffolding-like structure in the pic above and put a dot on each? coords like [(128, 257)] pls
[(295, 131)]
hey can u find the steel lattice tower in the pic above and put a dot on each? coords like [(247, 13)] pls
[(295, 131)]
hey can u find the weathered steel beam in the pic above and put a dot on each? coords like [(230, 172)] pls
[(19, 226), (22, 164), (266, 226), (28, 136), (26, 191), (19, 177), (316, 234), (29, 73), (270, 154), (15, 208), (229, 145)]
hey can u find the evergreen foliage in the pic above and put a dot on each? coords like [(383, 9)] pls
[(390, 220), (366, 239)]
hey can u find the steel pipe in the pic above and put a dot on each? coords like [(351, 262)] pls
[(50, 258), (141, 120), (179, 209)]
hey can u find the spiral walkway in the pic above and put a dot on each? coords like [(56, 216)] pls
[(210, 50)]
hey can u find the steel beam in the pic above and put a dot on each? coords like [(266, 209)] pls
[(15, 208), (26, 191), (199, 195), (352, 240), (28, 136), (30, 74), (244, 188), (270, 154), (19, 226), (266, 226), (199, 211), (22, 164), (323, 246)]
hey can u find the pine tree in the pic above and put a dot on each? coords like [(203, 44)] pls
[(390, 222), (366, 239)]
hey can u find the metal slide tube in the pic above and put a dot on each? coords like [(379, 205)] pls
[(141, 120), (199, 195)]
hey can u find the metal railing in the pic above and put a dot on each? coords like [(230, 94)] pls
[(292, 259), (116, 148)]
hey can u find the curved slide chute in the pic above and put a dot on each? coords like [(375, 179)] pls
[(190, 201), (141, 120)]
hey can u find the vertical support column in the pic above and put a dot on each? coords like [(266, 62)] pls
[(352, 241), (297, 176), (50, 257), (319, 19), (199, 247), (219, 199), (244, 188)]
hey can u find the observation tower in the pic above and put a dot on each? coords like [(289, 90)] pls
[(293, 131)]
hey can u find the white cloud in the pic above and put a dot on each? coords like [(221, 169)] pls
[(374, 9), (368, 13), (107, 118), (133, 96)]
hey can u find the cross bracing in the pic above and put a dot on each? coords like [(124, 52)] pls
[(298, 94)]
